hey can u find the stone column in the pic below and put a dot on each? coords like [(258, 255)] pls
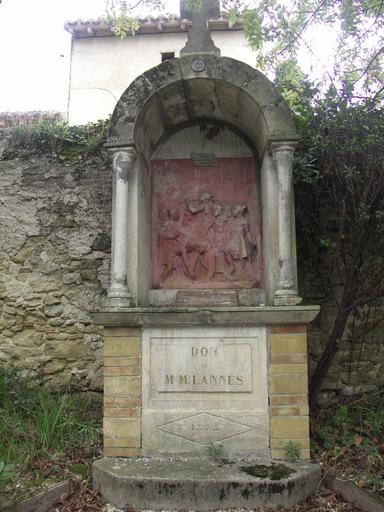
[(285, 294), (123, 159)]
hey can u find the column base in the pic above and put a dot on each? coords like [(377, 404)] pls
[(118, 298), (286, 298), (117, 303)]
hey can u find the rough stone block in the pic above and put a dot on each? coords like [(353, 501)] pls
[(122, 412), (289, 359), (296, 427), (282, 443), (281, 454), (288, 368), (122, 361), (288, 399), (121, 370), (121, 402), (43, 285), (122, 432), (289, 411), (288, 343), (68, 349), (122, 331), (288, 384), (198, 298), (4, 265), (122, 386), (285, 329), (129, 441), (121, 452), (122, 347)]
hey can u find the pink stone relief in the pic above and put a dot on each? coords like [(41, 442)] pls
[(206, 225)]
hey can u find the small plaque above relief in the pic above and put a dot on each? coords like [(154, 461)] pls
[(204, 159), (197, 298), (206, 224)]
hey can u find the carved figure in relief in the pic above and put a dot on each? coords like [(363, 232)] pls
[(172, 245), (204, 240), (241, 248)]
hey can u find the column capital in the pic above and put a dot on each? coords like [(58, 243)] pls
[(124, 153), (283, 145), (122, 159)]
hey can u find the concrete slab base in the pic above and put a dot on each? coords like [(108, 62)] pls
[(203, 484)]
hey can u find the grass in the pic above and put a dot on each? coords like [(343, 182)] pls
[(348, 438), (42, 435)]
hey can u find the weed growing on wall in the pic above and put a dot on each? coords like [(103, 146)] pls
[(53, 137), (216, 451), (292, 451)]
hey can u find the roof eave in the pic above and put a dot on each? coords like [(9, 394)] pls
[(79, 29)]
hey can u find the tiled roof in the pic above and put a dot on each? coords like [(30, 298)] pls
[(148, 25)]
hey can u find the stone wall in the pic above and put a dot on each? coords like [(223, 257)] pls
[(54, 266), (359, 364), (8, 119)]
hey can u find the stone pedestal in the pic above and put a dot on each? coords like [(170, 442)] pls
[(178, 381)]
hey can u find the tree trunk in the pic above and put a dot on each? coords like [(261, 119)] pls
[(328, 355)]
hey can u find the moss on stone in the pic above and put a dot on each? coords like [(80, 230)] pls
[(273, 472)]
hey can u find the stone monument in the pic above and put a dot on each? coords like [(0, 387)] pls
[(205, 338)]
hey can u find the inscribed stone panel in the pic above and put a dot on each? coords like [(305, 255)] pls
[(205, 385), (185, 365)]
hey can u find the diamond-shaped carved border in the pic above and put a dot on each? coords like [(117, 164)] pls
[(204, 428)]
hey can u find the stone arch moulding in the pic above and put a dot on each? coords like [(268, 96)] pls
[(225, 89), (181, 92)]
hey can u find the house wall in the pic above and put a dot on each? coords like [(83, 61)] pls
[(103, 67)]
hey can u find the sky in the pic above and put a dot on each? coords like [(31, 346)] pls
[(35, 51)]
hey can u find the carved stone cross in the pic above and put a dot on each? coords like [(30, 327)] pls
[(199, 37)]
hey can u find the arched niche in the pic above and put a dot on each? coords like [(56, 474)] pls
[(157, 107), (205, 190), (224, 90)]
